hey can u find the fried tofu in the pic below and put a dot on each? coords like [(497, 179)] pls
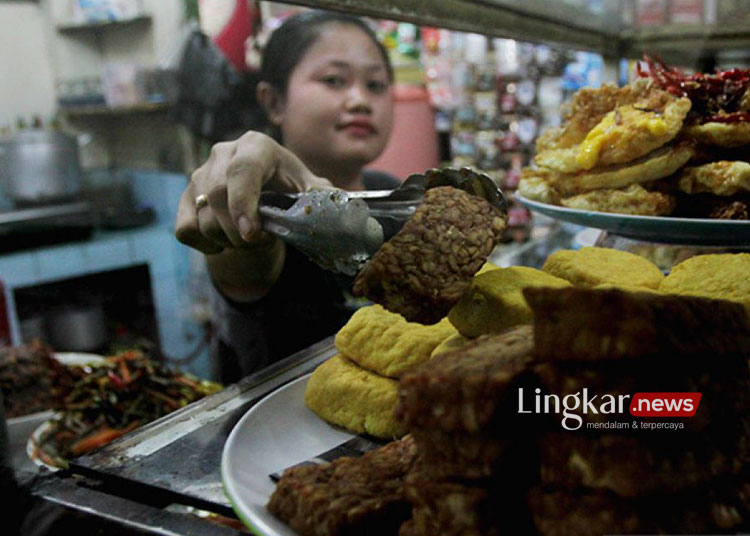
[(494, 301), (385, 343), (349, 496), (720, 275), (454, 342), (343, 393), (592, 266)]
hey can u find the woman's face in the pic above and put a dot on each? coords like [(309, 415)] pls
[(338, 108)]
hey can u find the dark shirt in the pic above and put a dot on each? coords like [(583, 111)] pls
[(306, 304)]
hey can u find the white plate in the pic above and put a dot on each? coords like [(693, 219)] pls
[(79, 359), (662, 229), (34, 440), (277, 432), (70, 359)]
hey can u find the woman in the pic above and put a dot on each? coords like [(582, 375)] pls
[(326, 90)]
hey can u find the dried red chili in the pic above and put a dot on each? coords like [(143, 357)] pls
[(715, 97)]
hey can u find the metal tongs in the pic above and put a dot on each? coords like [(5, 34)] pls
[(342, 230)]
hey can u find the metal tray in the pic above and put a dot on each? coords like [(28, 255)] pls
[(177, 459)]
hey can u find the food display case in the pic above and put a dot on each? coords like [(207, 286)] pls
[(165, 478)]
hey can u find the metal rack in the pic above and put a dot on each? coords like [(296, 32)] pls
[(555, 22)]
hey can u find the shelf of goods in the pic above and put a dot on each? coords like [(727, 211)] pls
[(561, 23)]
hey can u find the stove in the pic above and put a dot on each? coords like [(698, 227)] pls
[(30, 227)]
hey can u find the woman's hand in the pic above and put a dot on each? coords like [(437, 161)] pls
[(219, 208)]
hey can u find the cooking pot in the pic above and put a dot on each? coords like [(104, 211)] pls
[(81, 328), (39, 167)]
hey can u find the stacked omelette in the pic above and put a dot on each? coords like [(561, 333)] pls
[(661, 145)]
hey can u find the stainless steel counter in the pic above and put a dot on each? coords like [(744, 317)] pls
[(175, 460)]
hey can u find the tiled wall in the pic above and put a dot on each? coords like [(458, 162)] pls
[(154, 245)]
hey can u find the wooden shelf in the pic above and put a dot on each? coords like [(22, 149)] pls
[(105, 111), (93, 27)]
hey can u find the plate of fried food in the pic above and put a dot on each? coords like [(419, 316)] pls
[(668, 230), (462, 458), (665, 158)]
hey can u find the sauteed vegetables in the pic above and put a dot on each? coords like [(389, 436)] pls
[(129, 390)]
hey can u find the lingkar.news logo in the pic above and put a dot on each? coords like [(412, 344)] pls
[(638, 405)]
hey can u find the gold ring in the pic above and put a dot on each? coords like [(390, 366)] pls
[(201, 201)]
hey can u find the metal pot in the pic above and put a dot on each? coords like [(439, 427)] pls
[(40, 166), (77, 328)]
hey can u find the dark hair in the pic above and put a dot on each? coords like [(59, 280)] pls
[(290, 41)]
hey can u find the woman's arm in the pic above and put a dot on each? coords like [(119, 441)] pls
[(218, 212)]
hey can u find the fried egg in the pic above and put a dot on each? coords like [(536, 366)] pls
[(655, 165), (634, 199), (721, 134), (719, 178), (622, 135)]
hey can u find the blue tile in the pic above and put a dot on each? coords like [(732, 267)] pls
[(62, 262), (179, 338), (18, 269), (108, 254), (169, 295), (156, 247)]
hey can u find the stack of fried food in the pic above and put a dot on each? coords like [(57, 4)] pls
[(473, 464), (357, 389), (617, 474), (665, 144), (484, 467)]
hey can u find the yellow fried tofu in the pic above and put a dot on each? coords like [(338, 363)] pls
[(384, 342), (454, 342), (721, 178), (719, 275), (634, 199), (495, 302), (626, 288), (343, 393), (486, 267), (591, 266)]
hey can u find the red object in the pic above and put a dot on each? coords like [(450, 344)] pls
[(664, 404), (407, 153), (231, 39)]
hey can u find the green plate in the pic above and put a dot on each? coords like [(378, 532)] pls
[(696, 232)]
